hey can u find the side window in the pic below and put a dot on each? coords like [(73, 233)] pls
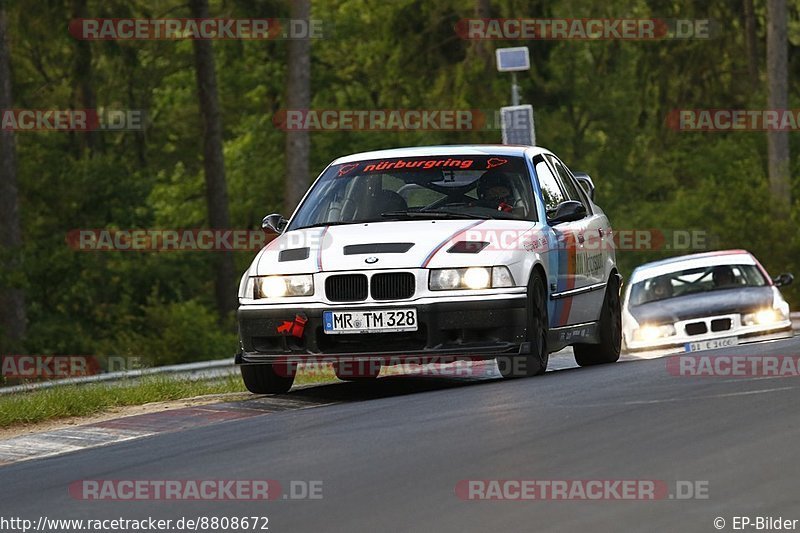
[(551, 191), (570, 186)]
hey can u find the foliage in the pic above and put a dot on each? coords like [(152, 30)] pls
[(600, 105)]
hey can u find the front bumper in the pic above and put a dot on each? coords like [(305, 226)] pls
[(477, 328), (749, 334)]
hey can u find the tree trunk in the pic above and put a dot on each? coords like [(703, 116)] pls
[(12, 300), (777, 70), (213, 163), (483, 10), (298, 96), (82, 90), (750, 42)]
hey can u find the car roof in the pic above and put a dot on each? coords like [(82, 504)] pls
[(705, 259), (446, 150)]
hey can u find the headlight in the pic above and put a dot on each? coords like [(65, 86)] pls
[(651, 333), (762, 317), (282, 286), (501, 277), (446, 279), (477, 278), (442, 280)]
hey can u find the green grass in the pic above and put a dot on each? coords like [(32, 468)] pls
[(317, 375), (82, 400), (90, 399)]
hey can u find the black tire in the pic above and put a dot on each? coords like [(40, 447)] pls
[(533, 363), (357, 370), (268, 378), (610, 331)]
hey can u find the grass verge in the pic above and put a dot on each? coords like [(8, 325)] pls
[(94, 398)]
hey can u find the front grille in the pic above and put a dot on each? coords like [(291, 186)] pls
[(696, 328), (721, 324), (392, 286), (346, 288)]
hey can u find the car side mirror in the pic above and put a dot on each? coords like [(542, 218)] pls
[(568, 211), (586, 182), (783, 280), (274, 223)]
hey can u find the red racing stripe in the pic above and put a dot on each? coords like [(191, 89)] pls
[(570, 278)]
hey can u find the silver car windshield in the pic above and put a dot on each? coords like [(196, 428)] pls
[(696, 280), (479, 187)]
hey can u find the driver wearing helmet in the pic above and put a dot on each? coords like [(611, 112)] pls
[(495, 192), (662, 288), (723, 276)]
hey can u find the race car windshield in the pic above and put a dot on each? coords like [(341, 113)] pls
[(694, 281), (434, 187)]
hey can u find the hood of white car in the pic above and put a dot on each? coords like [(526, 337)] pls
[(398, 244)]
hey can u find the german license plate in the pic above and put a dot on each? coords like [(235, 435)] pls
[(712, 344), (377, 321)]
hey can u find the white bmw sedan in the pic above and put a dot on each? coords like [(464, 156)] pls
[(703, 301), (431, 254)]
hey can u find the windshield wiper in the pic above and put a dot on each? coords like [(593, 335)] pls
[(342, 223), (434, 214)]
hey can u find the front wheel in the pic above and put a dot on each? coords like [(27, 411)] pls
[(534, 362), (610, 331), (268, 378)]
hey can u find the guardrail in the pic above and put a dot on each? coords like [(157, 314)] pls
[(199, 370)]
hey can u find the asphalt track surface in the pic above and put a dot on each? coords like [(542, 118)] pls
[(391, 453)]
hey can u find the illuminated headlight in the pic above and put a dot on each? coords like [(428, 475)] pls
[(763, 317), (447, 279), (477, 278), (282, 286), (651, 333)]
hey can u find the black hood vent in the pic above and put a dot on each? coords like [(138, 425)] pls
[(378, 248), (293, 254), (467, 247)]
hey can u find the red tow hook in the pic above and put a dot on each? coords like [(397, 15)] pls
[(294, 328)]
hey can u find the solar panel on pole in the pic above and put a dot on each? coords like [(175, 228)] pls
[(517, 125)]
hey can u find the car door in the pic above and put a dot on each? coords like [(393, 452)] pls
[(562, 248), (591, 252)]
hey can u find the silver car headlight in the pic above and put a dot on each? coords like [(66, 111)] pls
[(763, 317), (280, 286), (448, 279), (651, 333)]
